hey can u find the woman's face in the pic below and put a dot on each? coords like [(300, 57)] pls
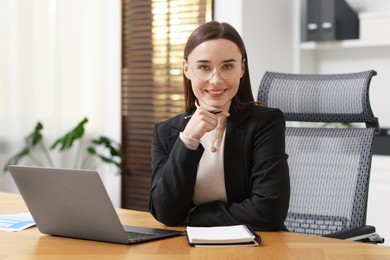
[(215, 68)]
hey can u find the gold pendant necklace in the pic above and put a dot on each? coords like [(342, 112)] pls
[(213, 149)]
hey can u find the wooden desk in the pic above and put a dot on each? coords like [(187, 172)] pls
[(31, 244)]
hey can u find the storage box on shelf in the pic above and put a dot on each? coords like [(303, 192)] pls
[(374, 25)]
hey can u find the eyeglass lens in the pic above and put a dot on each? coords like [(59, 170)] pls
[(226, 70)]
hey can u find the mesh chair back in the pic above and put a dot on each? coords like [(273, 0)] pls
[(329, 167)]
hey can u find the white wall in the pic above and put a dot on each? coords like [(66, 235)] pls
[(229, 11)]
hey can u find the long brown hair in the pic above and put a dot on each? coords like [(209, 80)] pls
[(211, 31)]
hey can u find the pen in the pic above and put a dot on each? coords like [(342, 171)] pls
[(215, 112)]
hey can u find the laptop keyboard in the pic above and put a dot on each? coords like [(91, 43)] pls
[(137, 235)]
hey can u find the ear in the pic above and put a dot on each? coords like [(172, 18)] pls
[(242, 68), (186, 69)]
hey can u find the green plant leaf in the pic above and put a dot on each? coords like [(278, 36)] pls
[(16, 158), (36, 136), (31, 140), (114, 148), (66, 141), (91, 150), (109, 160)]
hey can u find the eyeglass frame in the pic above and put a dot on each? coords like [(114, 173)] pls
[(217, 69)]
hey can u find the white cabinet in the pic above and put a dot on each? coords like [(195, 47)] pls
[(348, 56)]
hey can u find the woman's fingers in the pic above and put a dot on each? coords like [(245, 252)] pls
[(203, 121)]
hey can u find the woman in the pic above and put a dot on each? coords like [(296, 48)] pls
[(223, 162)]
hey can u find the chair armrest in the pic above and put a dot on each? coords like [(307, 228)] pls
[(364, 234)]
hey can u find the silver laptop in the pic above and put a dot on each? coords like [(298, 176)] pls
[(75, 203)]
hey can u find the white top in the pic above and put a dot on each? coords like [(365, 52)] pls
[(210, 179)]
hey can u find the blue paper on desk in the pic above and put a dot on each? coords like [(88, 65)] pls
[(16, 222)]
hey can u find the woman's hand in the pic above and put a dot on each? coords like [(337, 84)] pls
[(204, 120)]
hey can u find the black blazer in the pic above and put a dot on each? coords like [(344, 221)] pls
[(255, 166)]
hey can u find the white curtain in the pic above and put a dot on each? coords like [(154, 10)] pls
[(59, 62)]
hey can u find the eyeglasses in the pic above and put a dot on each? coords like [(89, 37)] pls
[(228, 70)]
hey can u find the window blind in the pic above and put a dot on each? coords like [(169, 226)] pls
[(154, 33)]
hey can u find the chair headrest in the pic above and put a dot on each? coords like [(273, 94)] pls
[(320, 97)]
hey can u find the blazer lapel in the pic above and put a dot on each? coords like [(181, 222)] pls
[(177, 126), (235, 156)]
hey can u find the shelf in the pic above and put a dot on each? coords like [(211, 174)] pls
[(344, 44)]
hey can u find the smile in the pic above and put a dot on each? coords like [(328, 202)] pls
[(219, 92)]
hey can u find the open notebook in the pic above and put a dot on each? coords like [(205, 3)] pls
[(75, 203)]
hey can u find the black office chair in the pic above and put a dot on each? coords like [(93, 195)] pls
[(329, 166)]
